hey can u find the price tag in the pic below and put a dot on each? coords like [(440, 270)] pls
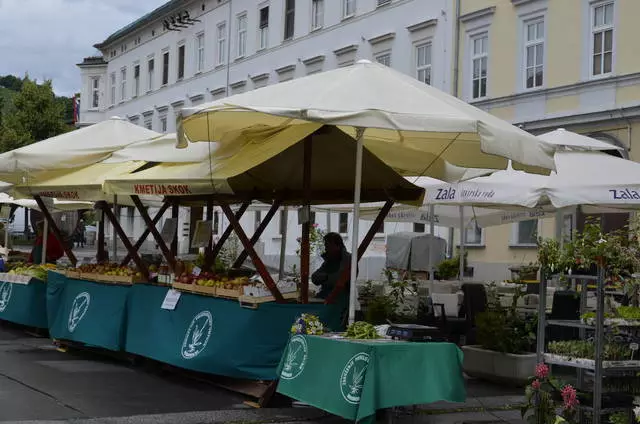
[(171, 299), (196, 271), (634, 349)]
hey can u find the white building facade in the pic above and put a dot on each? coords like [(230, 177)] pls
[(189, 52)]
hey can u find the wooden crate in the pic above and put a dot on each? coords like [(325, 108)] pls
[(233, 293), (252, 302), (73, 274), (194, 288)]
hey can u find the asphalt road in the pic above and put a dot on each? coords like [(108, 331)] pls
[(37, 382)]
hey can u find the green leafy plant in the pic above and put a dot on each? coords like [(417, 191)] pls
[(586, 350), (545, 396), (361, 330), (316, 241), (503, 330), (450, 268), (619, 418)]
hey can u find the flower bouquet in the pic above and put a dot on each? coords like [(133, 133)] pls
[(308, 324)]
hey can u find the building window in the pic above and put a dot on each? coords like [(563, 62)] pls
[(257, 219), (384, 59), (534, 54), (423, 63), (380, 228), (348, 8), (200, 52), (136, 80), (418, 228), (343, 223), (525, 233), (289, 18), (317, 14), (242, 35), (221, 36), (479, 60), (473, 235), (123, 84), (95, 92), (150, 74), (163, 124), (181, 52), (263, 28), (112, 97), (602, 37), (148, 122), (383, 2), (165, 68)]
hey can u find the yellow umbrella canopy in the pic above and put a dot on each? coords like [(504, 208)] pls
[(411, 126), (272, 167)]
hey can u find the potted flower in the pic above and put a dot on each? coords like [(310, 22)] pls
[(506, 345), (524, 272), (546, 396)]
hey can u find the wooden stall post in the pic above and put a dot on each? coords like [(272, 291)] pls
[(305, 248), (215, 251), (258, 233), (146, 232), (209, 217), (361, 249), (100, 239), (125, 240), (175, 213), (262, 270), (171, 260), (54, 228)]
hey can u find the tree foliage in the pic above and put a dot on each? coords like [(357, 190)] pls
[(36, 114)]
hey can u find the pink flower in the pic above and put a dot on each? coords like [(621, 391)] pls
[(542, 371), (569, 397), (536, 385)]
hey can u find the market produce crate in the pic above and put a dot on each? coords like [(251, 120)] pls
[(123, 279), (108, 279), (194, 288), (252, 302), (15, 278), (72, 273), (233, 293)]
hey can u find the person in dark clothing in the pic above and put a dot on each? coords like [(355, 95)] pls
[(336, 260)]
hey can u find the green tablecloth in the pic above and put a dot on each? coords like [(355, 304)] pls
[(354, 379), (214, 335), (87, 312), (24, 304)]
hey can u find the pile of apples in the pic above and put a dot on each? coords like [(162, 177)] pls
[(109, 269), (209, 279)]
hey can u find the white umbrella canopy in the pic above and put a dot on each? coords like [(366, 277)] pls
[(502, 189), (573, 141), (162, 149), (593, 178), (411, 126), (58, 205), (73, 149)]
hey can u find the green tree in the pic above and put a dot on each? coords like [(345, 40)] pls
[(35, 115)]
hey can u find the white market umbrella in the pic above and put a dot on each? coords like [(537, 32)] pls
[(574, 141), (409, 125), (596, 179), (162, 149), (73, 149)]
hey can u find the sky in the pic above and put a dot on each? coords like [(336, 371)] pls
[(47, 38)]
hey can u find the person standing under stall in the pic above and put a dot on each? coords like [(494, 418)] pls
[(80, 233), (54, 248)]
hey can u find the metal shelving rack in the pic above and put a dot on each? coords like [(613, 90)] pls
[(599, 367)]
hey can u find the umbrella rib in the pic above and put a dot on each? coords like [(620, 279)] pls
[(437, 157)]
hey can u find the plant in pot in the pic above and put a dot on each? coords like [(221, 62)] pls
[(545, 396), (506, 342), (450, 268)]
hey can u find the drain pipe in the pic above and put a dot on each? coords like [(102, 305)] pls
[(456, 66)]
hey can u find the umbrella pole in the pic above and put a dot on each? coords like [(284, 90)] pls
[(100, 241), (305, 243), (431, 231), (45, 236), (175, 213), (284, 220), (462, 241), (114, 240), (356, 224)]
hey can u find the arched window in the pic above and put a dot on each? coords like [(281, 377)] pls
[(608, 138)]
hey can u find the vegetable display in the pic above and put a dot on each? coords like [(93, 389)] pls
[(34, 271), (361, 330)]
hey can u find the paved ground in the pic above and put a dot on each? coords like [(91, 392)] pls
[(40, 385)]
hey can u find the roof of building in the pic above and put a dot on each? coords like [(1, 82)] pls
[(146, 19), (93, 61)]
